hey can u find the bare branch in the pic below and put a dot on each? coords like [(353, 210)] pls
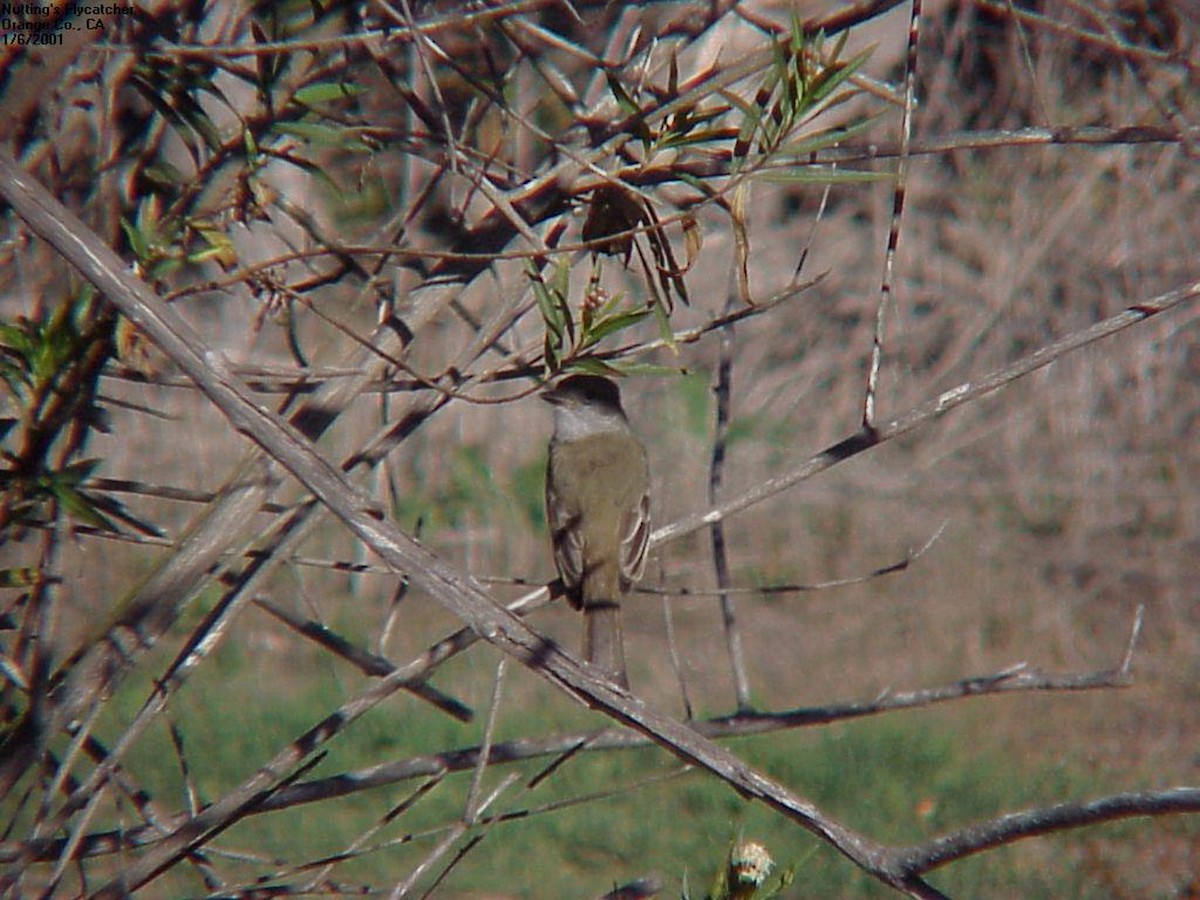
[(930, 410), (369, 663), (1031, 823), (716, 476)]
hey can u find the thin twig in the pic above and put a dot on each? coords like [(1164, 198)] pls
[(368, 663), (716, 475), (802, 588), (889, 262), (474, 804), (685, 696)]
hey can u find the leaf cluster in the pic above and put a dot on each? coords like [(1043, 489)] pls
[(804, 82), (50, 366), (302, 110), (770, 135), (571, 341)]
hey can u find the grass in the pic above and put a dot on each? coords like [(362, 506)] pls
[(886, 776)]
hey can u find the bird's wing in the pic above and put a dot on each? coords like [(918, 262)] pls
[(635, 537)]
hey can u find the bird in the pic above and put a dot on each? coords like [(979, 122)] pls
[(598, 510)]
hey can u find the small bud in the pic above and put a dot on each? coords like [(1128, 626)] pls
[(749, 866)]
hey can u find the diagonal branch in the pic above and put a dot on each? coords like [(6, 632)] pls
[(974, 839)]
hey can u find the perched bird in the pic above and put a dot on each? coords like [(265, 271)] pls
[(598, 510)]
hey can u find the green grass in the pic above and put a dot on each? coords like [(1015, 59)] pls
[(900, 779)]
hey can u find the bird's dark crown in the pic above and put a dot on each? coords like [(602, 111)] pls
[(586, 389)]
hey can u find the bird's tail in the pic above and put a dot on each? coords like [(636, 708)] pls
[(603, 642)]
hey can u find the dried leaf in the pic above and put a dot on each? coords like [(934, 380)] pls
[(693, 240), (741, 237), (613, 211)]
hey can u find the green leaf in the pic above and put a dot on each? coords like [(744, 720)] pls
[(50, 353), (809, 174), (624, 101), (546, 306), (746, 107), (322, 135), (590, 365), (74, 473), (612, 324), (753, 112), (836, 53), (200, 123), (834, 76), (796, 31), (137, 241), (647, 369), (829, 137), (219, 246), (556, 311), (77, 504), (327, 92), (689, 120), (613, 304), (14, 338), (683, 139), (560, 282), (250, 144), (551, 301), (632, 111), (104, 504), (163, 174), (552, 353)]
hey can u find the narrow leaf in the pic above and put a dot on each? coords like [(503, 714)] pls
[(808, 174), (611, 325), (77, 505), (741, 237), (327, 92)]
